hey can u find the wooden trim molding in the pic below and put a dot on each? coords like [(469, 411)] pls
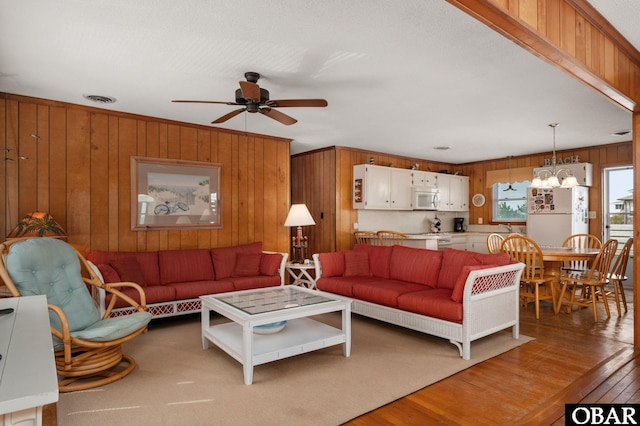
[(570, 35)]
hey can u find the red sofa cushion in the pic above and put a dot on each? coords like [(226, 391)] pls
[(499, 259), (185, 265), (356, 264), (129, 270), (342, 285), (247, 265), (247, 283), (109, 275), (415, 265), (332, 264), (270, 263), (147, 261), (384, 292), (458, 289), (453, 260), (434, 303), (379, 258), (224, 258)]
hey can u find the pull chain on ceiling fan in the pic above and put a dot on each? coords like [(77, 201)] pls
[(510, 188), (254, 98)]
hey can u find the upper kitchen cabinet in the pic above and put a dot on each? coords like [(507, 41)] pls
[(381, 188), (454, 192), (424, 178)]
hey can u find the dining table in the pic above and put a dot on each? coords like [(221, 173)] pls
[(554, 258)]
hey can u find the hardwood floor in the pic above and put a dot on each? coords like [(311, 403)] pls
[(572, 360)]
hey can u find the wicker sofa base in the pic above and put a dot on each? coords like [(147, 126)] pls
[(165, 309), (484, 319)]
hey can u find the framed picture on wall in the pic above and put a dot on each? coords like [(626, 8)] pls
[(175, 194)]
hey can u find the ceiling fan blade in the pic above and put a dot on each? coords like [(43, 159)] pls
[(228, 116), (282, 103), (278, 116), (250, 91), (206, 102)]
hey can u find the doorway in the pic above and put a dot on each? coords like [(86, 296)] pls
[(618, 208)]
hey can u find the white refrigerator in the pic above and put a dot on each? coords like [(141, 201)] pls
[(553, 214)]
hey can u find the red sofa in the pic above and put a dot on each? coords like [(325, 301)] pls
[(455, 294), (173, 280)]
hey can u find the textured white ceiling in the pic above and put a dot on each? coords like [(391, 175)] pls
[(400, 76)]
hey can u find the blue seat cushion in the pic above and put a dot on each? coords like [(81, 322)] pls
[(51, 267), (109, 329)]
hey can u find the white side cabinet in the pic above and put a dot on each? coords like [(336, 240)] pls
[(454, 192), (381, 188), (28, 378)]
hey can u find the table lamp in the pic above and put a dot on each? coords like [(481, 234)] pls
[(299, 216), (37, 224)]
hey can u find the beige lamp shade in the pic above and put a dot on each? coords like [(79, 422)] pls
[(37, 224), (299, 215)]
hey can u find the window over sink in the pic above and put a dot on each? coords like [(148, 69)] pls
[(509, 201)]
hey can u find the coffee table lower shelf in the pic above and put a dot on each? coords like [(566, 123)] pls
[(299, 336)]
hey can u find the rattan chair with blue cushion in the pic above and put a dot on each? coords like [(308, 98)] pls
[(88, 347)]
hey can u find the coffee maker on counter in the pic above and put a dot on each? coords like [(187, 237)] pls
[(458, 224)]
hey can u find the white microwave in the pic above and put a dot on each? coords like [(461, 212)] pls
[(425, 198)]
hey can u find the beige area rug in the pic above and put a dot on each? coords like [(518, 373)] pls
[(176, 382)]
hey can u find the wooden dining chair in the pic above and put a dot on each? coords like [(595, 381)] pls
[(366, 237), (580, 241), (535, 285), (389, 238), (587, 289), (617, 275), (494, 243)]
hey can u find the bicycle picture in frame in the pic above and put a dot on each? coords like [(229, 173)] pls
[(174, 194)]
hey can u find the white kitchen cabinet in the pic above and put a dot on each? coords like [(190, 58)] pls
[(477, 243), (454, 192), (424, 178), (381, 188)]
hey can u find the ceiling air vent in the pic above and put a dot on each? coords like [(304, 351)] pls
[(621, 133), (100, 99)]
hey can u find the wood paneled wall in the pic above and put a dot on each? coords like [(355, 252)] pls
[(571, 35), (322, 179), (78, 170), (599, 156)]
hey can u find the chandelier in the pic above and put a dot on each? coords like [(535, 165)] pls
[(550, 178)]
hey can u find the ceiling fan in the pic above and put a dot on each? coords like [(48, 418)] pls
[(254, 98)]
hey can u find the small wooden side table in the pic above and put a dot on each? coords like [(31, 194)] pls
[(299, 272)]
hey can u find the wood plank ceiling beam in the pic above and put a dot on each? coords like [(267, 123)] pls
[(622, 68)]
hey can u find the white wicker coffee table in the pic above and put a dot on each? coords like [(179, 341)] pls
[(262, 307)]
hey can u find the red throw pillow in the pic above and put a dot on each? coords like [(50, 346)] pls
[(499, 259), (332, 264), (379, 259), (453, 260), (356, 263), (458, 289), (224, 258), (270, 263), (247, 265), (129, 270), (109, 275)]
